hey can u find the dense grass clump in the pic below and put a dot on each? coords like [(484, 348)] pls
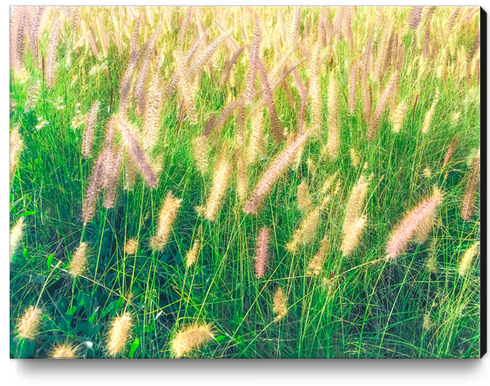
[(236, 182)]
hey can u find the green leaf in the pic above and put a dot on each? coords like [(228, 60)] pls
[(71, 311), (134, 346), (220, 338), (49, 260), (28, 213), (91, 320)]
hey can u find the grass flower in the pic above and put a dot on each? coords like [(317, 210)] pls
[(131, 247), (471, 188), (64, 351), (316, 263), (119, 331), (79, 260), (166, 218), (261, 255), (276, 169), (279, 305), (467, 258), (413, 220), (191, 337), (16, 234), (28, 326), (221, 177)]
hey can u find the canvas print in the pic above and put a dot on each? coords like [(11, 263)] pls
[(245, 182)]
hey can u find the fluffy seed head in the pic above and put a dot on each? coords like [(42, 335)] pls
[(28, 325), (64, 351), (201, 153), (261, 255), (316, 263), (78, 261), (304, 199), (167, 216), (353, 235), (450, 150), (279, 306), (16, 236), (88, 137), (333, 118), (222, 173), (471, 188), (119, 331), (410, 223), (191, 337), (276, 169), (399, 116), (355, 204), (468, 256), (131, 246)]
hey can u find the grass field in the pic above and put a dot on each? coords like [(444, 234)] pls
[(228, 182)]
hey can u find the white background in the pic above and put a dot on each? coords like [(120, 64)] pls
[(213, 372)]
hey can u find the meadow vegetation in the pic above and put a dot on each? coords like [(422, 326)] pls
[(245, 182)]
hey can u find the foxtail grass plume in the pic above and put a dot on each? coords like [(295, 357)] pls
[(221, 177), (154, 105), (398, 116), (261, 254), (329, 183), (333, 141), (28, 326), (166, 218), (450, 150), (32, 96), (94, 184), (201, 153), (16, 145), (79, 260), (137, 154), (16, 236), (131, 247), (253, 67), (306, 231), (316, 263), (380, 108), (275, 170), (191, 337), (425, 226), (88, 136), (354, 157), (119, 331), (269, 101), (355, 204), (471, 188), (304, 199), (451, 21), (468, 256), (256, 145), (193, 254), (409, 224), (429, 115), (432, 259), (353, 235), (53, 44), (279, 306), (64, 351), (112, 178), (415, 17)]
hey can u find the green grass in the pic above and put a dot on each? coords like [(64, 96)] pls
[(376, 310)]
